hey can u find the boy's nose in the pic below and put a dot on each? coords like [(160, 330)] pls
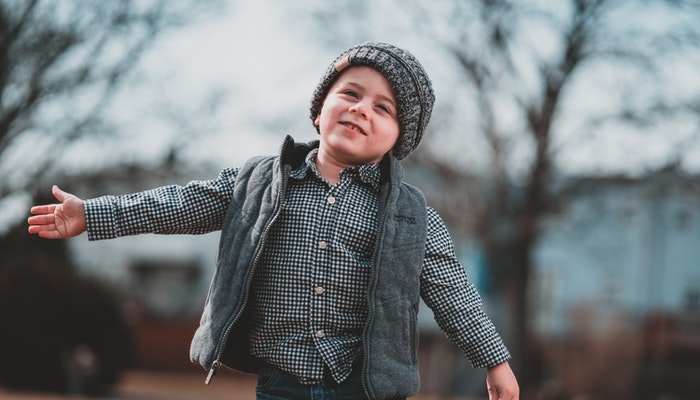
[(359, 108)]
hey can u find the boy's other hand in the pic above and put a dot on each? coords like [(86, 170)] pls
[(501, 383), (58, 221)]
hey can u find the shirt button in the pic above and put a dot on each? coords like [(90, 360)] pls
[(331, 200), (319, 290), (320, 333), (322, 244)]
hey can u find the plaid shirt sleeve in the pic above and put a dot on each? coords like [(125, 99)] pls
[(455, 301), (196, 208)]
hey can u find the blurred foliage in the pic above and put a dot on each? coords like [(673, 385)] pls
[(61, 332), (61, 63)]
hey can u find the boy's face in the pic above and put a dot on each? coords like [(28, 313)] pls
[(358, 121)]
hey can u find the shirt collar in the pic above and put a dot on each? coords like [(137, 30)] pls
[(368, 174)]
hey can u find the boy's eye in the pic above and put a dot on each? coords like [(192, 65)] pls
[(351, 93), (384, 108)]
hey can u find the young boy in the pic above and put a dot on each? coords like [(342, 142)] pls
[(324, 251)]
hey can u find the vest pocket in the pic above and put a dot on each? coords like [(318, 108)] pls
[(413, 327), (398, 330)]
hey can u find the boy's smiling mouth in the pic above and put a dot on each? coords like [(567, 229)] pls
[(353, 126)]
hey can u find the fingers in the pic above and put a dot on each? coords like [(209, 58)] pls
[(43, 219), (42, 225), (38, 229), (498, 395), (43, 209), (47, 231)]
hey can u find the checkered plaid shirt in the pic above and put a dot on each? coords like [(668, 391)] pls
[(308, 303)]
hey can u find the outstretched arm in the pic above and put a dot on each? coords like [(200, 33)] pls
[(501, 383), (58, 221)]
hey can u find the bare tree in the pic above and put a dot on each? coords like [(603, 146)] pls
[(522, 66), (60, 65)]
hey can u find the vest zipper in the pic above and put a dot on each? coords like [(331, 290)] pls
[(212, 371), (222, 341), (370, 307)]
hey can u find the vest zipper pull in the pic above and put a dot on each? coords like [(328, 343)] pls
[(212, 371)]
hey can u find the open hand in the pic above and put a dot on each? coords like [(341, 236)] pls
[(58, 221)]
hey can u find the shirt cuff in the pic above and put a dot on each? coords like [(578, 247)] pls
[(493, 352), (100, 218)]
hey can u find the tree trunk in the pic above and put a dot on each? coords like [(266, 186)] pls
[(510, 266)]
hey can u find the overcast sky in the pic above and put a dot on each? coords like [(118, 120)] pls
[(253, 68), (265, 61)]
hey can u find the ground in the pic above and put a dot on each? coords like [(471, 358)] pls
[(149, 385)]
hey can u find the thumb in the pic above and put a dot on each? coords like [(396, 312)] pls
[(59, 194)]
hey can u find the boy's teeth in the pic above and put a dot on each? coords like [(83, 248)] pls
[(354, 128)]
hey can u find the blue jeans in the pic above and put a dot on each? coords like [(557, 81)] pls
[(274, 384)]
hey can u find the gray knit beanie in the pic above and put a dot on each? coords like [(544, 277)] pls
[(412, 88)]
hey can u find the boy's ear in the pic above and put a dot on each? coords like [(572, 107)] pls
[(317, 120)]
